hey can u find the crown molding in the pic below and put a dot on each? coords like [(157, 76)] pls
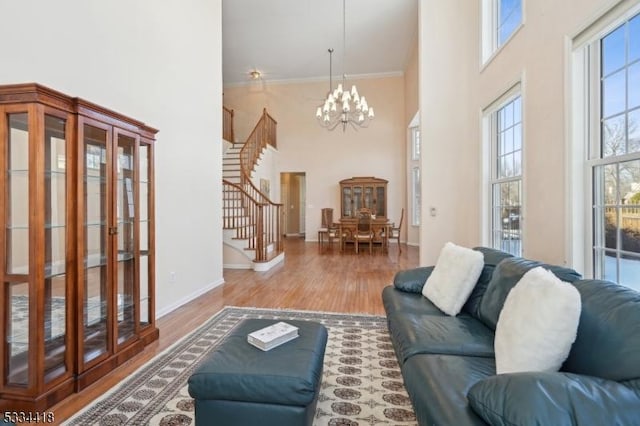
[(323, 79)]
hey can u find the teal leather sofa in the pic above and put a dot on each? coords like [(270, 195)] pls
[(448, 363)]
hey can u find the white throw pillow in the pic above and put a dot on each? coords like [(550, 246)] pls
[(538, 324), (453, 278)]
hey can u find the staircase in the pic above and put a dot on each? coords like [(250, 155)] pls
[(252, 234)]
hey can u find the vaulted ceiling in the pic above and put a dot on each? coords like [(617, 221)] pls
[(287, 40)]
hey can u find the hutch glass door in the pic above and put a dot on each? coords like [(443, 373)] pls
[(95, 303), (55, 245), (145, 233), (125, 218)]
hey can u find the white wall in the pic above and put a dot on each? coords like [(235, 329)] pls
[(158, 62), (455, 88)]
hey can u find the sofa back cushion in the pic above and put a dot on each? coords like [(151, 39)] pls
[(491, 259), (608, 341), (505, 276)]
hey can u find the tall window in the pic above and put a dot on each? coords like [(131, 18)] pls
[(415, 176), (506, 176), (615, 156), (509, 17), (500, 19)]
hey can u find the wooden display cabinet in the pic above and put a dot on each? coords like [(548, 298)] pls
[(77, 269), (363, 192)]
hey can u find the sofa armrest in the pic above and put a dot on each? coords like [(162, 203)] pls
[(412, 280), (553, 398)]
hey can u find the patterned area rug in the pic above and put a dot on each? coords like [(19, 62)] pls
[(361, 383)]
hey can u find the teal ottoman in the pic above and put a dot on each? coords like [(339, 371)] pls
[(238, 384)]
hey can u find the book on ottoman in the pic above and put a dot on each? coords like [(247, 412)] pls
[(274, 335)]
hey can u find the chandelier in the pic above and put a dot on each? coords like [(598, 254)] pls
[(343, 106)]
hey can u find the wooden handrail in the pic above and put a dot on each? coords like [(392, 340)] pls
[(258, 223), (227, 124)]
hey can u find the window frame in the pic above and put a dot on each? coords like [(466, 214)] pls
[(491, 179), (414, 166), (490, 27), (584, 133), (415, 196), (596, 157)]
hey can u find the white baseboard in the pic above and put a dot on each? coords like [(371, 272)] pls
[(237, 266), (189, 298)]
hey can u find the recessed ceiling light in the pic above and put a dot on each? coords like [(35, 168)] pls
[(255, 74)]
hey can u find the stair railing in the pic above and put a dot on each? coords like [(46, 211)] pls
[(265, 216)]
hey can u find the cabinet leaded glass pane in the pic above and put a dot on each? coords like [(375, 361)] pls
[(368, 198), (357, 199), (346, 202), (380, 202)]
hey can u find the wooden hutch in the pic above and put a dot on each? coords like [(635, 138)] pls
[(77, 237), (363, 192)]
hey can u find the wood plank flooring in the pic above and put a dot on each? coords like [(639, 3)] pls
[(309, 279)]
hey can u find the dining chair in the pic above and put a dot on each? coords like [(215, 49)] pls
[(363, 230), (326, 228), (394, 231)]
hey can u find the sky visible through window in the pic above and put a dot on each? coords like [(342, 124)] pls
[(621, 90), (509, 17)]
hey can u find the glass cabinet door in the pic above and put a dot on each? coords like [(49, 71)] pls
[(145, 234), (368, 198), (16, 295), (95, 305), (381, 202), (347, 199), (357, 200), (55, 284), (125, 218)]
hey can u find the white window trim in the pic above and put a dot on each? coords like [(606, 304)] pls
[(488, 164), (488, 27), (416, 197), (412, 164), (582, 106)]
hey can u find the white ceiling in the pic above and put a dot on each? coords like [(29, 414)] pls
[(288, 39)]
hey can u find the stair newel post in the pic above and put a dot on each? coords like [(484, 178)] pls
[(265, 133), (259, 233), (231, 131), (280, 227)]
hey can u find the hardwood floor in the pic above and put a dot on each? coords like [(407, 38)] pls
[(308, 279)]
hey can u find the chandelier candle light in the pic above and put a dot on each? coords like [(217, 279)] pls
[(343, 106)]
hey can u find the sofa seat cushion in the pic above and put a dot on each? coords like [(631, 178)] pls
[(423, 334), (505, 277), (549, 398), (396, 300), (438, 386)]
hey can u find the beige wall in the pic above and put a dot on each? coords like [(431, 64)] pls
[(455, 88), (160, 62), (328, 157)]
